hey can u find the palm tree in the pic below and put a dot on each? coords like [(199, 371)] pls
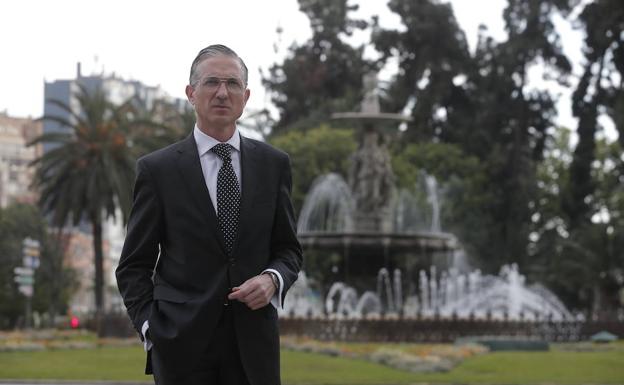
[(89, 171), (161, 123)]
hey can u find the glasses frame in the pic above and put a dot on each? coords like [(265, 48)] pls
[(236, 91)]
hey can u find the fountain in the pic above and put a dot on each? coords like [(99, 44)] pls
[(451, 295), (443, 308), (362, 219), (395, 276)]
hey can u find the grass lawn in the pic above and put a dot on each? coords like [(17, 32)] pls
[(553, 367), (126, 364), (106, 363)]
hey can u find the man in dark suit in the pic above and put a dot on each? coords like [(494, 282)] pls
[(211, 247)]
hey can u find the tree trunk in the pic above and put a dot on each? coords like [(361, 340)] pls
[(597, 308), (98, 253), (56, 266)]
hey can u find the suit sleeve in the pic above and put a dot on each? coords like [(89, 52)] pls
[(286, 251), (141, 248)]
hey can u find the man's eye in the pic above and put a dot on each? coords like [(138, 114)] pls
[(212, 82), (233, 83)]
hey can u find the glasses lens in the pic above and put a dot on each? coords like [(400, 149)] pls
[(233, 85), (212, 83)]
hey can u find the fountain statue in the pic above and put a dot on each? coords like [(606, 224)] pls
[(372, 183), (371, 177)]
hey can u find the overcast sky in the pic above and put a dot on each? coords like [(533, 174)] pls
[(155, 41)]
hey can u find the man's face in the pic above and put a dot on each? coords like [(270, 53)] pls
[(220, 95)]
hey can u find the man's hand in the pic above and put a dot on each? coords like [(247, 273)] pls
[(256, 292)]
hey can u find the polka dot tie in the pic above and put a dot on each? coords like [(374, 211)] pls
[(228, 195)]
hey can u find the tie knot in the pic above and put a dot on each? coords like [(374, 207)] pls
[(223, 151)]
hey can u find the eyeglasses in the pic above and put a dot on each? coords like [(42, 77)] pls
[(233, 85)]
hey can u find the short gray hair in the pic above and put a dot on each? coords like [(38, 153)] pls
[(212, 51)]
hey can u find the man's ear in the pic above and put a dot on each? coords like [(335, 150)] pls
[(189, 94)]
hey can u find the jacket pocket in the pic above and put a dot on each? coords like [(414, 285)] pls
[(270, 312)]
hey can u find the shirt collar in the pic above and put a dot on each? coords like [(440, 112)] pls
[(206, 142)]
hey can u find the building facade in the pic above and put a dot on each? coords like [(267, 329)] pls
[(16, 171), (116, 89)]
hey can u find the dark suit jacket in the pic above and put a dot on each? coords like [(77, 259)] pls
[(173, 222)]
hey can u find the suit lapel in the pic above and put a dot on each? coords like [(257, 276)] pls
[(249, 176), (190, 168)]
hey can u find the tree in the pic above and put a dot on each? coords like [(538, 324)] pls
[(481, 103), (515, 117), (89, 172), (54, 281), (433, 58), (324, 74), (315, 152), (601, 88), (156, 125), (583, 265)]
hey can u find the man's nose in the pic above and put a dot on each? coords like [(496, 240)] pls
[(222, 91)]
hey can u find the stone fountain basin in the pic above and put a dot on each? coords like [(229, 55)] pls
[(376, 241)]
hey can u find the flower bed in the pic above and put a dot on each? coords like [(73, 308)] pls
[(419, 358), (50, 339)]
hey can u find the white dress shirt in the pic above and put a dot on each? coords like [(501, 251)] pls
[(211, 162)]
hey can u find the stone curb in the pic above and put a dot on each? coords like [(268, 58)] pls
[(71, 382)]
